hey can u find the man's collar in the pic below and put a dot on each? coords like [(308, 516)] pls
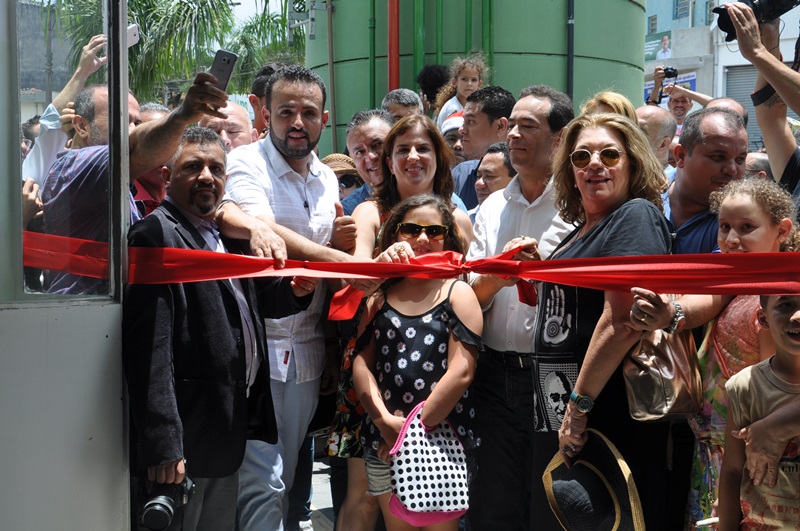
[(191, 217)]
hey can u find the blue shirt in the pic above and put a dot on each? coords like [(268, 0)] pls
[(697, 236), (75, 198)]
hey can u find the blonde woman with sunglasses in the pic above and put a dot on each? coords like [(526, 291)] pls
[(609, 183)]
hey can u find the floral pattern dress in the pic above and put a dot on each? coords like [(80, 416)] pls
[(730, 345), (410, 358)]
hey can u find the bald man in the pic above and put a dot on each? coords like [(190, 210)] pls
[(236, 130), (659, 125)]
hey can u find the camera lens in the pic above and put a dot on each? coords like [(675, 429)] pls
[(157, 513)]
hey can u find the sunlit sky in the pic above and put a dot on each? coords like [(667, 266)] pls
[(248, 8)]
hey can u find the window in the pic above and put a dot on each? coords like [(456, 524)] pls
[(652, 24), (680, 9), (84, 201)]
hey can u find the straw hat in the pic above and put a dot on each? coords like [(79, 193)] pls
[(597, 493)]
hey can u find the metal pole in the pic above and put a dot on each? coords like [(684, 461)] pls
[(439, 31), (393, 22), (329, 8), (372, 73), (419, 35), (467, 27)]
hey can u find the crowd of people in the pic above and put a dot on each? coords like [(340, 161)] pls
[(225, 376)]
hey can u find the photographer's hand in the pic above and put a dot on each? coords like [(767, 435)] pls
[(172, 472)]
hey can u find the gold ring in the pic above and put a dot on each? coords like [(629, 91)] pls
[(643, 319)]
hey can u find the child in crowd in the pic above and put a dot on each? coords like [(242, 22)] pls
[(468, 75), (754, 393), (755, 216), (424, 343)]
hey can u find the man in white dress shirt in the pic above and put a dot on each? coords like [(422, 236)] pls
[(281, 181), (508, 410)]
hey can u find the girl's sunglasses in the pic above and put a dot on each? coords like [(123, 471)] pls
[(347, 181), (412, 230), (581, 158)]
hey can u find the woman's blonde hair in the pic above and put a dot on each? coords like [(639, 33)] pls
[(647, 180), (614, 101), (776, 203), (474, 60)]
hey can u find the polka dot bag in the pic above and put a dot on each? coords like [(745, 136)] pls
[(429, 473)]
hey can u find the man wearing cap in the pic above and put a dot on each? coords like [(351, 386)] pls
[(452, 136)]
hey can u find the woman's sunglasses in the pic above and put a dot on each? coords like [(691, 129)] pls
[(581, 158), (412, 230), (347, 181)]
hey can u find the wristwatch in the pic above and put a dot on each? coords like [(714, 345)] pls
[(583, 403), (678, 320)]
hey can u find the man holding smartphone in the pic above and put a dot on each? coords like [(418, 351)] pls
[(281, 181)]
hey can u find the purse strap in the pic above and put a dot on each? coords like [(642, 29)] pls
[(723, 364), (410, 418)]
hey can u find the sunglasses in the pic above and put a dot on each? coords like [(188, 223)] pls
[(581, 158), (347, 181), (412, 230)]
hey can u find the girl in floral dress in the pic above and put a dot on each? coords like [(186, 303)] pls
[(755, 216), (423, 345)]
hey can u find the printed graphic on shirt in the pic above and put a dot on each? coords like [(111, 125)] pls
[(556, 382), (557, 320)]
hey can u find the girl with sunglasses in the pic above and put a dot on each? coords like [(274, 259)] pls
[(609, 183), (422, 344), (414, 160), (755, 216)]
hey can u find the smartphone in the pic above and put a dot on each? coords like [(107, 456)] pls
[(133, 34), (222, 68)]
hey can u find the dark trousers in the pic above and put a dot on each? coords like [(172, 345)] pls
[(500, 495)]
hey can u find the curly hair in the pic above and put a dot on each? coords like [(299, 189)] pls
[(647, 180), (386, 193), (775, 201), (475, 61), (614, 101), (452, 240)]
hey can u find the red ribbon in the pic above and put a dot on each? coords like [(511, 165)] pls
[(723, 274)]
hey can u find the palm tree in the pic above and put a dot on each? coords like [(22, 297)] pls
[(179, 37)]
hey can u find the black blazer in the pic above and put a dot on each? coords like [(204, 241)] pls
[(184, 358)]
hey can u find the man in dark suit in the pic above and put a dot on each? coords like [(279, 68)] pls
[(193, 352)]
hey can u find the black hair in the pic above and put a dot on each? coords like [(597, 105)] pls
[(196, 135), (502, 147), (259, 87), (692, 133), (27, 127), (494, 101), (295, 74), (561, 110), (431, 78), (362, 117)]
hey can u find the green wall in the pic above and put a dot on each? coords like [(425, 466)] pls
[(529, 46)]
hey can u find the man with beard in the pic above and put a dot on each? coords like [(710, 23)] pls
[(189, 389), (281, 181)]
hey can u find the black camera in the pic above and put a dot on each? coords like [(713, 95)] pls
[(165, 498), (764, 10), (670, 72)]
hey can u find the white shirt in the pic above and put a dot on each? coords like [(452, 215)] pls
[(262, 183), (450, 106), (50, 142), (504, 215)]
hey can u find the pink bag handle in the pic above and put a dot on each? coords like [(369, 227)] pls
[(402, 435)]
